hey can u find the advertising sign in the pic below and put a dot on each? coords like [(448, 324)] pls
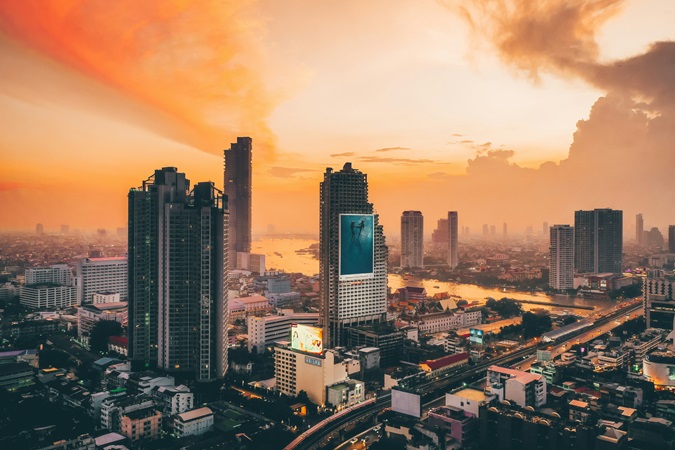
[(357, 246), (306, 338), (406, 403), (476, 335)]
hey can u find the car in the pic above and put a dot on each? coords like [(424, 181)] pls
[(354, 441)]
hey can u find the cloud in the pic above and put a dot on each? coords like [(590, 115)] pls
[(467, 141), (440, 176), (391, 149), (340, 155), (457, 135), (194, 66), (286, 172), (403, 161)]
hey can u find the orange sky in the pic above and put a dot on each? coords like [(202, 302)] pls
[(513, 111)]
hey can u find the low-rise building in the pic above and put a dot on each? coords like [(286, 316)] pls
[(48, 296), (346, 393), (459, 424), (141, 424), (195, 422), (173, 400), (469, 400), (436, 367), (522, 388), (89, 315), (16, 375), (264, 331)]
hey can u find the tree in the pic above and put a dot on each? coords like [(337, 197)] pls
[(461, 302), (568, 320), (535, 325), (103, 329)]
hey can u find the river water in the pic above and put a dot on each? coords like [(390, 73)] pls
[(281, 254)]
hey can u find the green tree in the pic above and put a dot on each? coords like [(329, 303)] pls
[(102, 330), (535, 324)]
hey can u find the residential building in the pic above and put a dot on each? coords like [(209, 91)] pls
[(453, 255), (240, 308), (143, 424), (48, 296), (102, 275), (59, 274), (16, 375), (263, 331), (178, 313), (459, 424), (173, 400), (346, 393), (412, 240), (193, 423), (598, 241), (658, 289), (383, 336), (352, 256), (469, 400), (561, 270), (522, 388), (238, 190), (89, 314), (253, 262)]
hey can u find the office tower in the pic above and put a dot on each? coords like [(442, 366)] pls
[(561, 273), (453, 258), (238, 192), (440, 235), (671, 238), (101, 275), (544, 228), (178, 311), (412, 239), (639, 229), (486, 231), (39, 229), (493, 231), (654, 238), (598, 241), (352, 256)]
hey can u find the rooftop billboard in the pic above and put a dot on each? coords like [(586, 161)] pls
[(307, 339), (357, 246)]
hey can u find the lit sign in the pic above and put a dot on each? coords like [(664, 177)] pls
[(306, 338), (357, 246), (476, 335), (313, 361)]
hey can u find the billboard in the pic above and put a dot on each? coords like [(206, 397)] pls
[(357, 246), (406, 403), (306, 338), (476, 335)]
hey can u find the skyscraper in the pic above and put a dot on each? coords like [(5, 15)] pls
[(561, 273), (352, 256), (177, 263), (639, 229), (598, 241), (412, 239), (238, 192), (453, 259), (671, 238), (439, 236)]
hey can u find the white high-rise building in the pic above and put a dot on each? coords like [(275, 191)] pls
[(412, 239), (453, 258), (352, 256), (561, 273), (57, 274), (101, 275)]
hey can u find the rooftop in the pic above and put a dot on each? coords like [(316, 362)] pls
[(195, 414), (472, 394), (445, 361)]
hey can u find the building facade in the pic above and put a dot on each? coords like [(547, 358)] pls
[(657, 296), (99, 275), (561, 273), (453, 258), (352, 268), (178, 311), (598, 241), (412, 239), (238, 176), (639, 229), (266, 330)]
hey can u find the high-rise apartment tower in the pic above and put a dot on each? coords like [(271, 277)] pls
[(412, 239), (598, 241), (453, 232), (561, 273), (177, 262)]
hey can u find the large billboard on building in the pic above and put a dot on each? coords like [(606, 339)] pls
[(306, 338), (476, 335), (357, 246), (406, 403)]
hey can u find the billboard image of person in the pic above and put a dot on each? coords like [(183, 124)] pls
[(306, 338), (357, 244)]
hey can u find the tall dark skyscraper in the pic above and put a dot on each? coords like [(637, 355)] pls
[(671, 238), (238, 191), (178, 311), (598, 241), (453, 258), (352, 256), (412, 239)]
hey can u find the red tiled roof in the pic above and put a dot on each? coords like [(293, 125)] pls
[(119, 340), (435, 364)]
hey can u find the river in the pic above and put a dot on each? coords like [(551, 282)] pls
[(281, 254)]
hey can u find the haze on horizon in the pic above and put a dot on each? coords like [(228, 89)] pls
[(517, 111)]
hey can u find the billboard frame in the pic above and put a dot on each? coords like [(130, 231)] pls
[(361, 275), (299, 343)]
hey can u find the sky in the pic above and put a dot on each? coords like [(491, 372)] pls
[(516, 111)]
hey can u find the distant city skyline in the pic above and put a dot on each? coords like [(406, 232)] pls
[(447, 107)]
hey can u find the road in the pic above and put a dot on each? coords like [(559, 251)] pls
[(433, 389)]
